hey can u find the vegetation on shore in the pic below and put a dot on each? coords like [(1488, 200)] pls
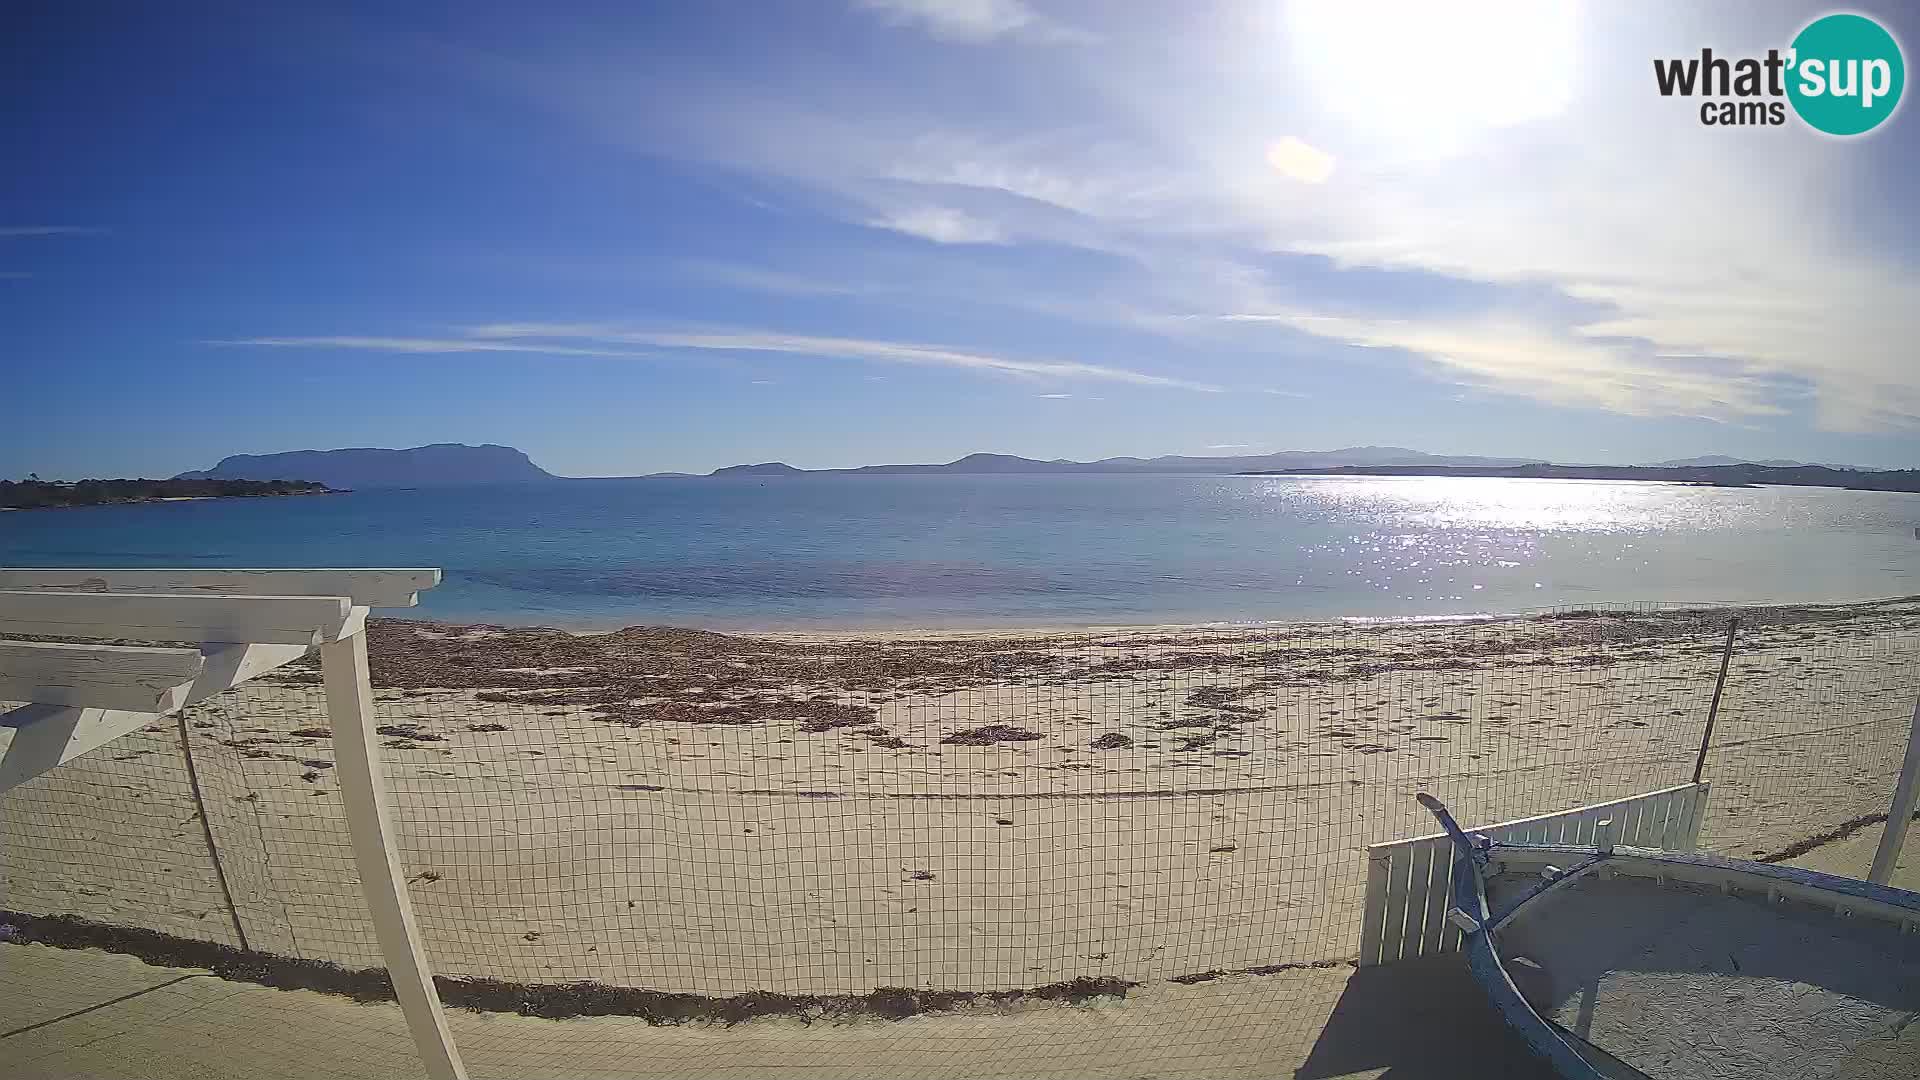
[(36, 494)]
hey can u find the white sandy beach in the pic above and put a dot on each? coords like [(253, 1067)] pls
[(809, 828)]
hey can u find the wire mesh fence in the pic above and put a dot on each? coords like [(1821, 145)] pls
[(620, 845)]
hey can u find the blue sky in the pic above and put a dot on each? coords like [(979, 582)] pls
[(631, 238)]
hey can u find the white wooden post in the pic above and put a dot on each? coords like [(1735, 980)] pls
[(363, 787), (1900, 814)]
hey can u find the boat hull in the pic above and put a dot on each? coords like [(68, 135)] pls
[(1633, 963)]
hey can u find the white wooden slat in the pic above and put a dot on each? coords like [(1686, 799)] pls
[(1449, 933), (1433, 928), (129, 697), (1696, 820), (1393, 932), (55, 660), (1660, 808), (97, 676), (368, 588), (1584, 830), (1374, 913), (1630, 826), (1419, 875), (1685, 834), (37, 737), (278, 620)]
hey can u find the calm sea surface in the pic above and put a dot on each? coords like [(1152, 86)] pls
[(935, 551)]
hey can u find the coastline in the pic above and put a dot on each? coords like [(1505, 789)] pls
[(158, 499), (836, 631)]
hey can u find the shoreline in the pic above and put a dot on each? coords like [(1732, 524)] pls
[(915, 632), (159, 499)]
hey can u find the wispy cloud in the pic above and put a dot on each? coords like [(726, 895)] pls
[(894, 352), (1056, 397), (1228, 446), (761, 280), (416, 346), (975, 21), (942, 226), (1536, 361), (49, 230), (588, 339), (1164, 145)]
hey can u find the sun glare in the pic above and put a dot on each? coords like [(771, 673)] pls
[(1430, 76)]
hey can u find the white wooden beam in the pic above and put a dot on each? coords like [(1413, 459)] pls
[(97, 676), (277, 620), (35, 738), (1900, 814), (371, 587), (363, 792)]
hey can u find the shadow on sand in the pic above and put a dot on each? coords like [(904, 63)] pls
[(1422, 1019)]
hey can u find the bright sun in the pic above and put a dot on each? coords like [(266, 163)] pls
[(1427, 75)]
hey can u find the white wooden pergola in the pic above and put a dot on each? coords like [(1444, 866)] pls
[(231, 626)]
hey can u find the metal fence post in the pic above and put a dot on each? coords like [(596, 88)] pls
[(363, 787), (1713, 710), (1900, 814)]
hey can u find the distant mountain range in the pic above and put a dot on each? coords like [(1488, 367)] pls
[(1173, 463), (1721, 459), (446, 464), (441, 464)]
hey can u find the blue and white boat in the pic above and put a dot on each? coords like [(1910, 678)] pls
[(1618, 962)]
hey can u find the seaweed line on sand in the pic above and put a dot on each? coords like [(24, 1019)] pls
[(558, 1001)]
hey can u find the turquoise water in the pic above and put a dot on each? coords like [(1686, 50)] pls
[(826, 551)]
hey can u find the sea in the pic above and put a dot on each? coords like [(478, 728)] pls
[(958, 551)]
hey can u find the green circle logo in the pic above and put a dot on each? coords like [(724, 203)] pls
[(1846, 75)]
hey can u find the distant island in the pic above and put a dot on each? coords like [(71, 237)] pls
[(450, 464), (1172, 463), (437, 465), (446, 464), (47, 494), (1741, 475), (1722, 459)]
